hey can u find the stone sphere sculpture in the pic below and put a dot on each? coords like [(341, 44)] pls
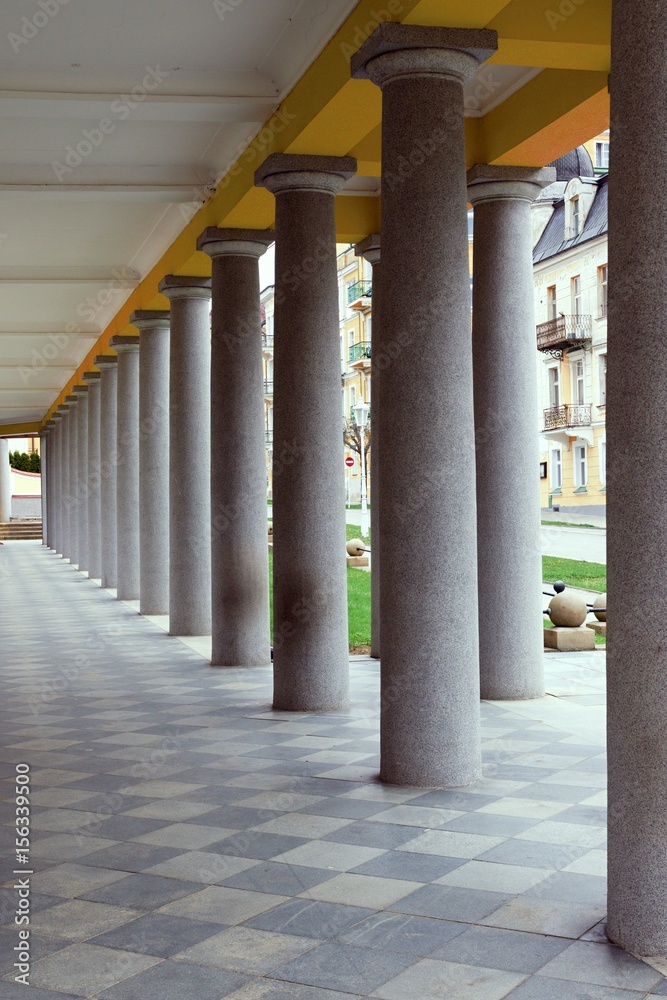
[(568, 610), (600, 602), (355, 547)]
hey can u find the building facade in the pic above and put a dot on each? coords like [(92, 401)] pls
[(571, 281)]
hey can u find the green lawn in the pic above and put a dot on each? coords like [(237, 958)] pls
[(568, 524), (575, 573)]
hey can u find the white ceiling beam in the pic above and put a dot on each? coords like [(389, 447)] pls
[(168, 194), (69, 276), (216, 108)]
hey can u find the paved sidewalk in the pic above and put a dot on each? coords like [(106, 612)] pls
[(187, 841)]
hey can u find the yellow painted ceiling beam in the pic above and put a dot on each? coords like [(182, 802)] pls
[(329, 113), (20, 430)]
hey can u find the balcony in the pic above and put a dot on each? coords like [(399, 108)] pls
[(359, 296), (560, 417), (359, 351), (563, 333), (268, 387)]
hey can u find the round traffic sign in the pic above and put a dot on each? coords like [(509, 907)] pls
[(349, 461)]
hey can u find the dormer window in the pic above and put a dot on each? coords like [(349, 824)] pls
[(576, 216)]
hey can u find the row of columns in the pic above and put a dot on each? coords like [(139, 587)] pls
[(456, 508)]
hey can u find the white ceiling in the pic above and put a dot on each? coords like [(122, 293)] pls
[(74, 242)]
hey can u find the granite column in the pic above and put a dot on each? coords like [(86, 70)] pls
[(428, 588)]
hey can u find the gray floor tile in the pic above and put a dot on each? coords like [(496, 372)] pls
[(432, 980), (142, 892), (157, 934), (533, 854), (86, 969), (131, 857), (493, 948), (413, 867), (343, 967), (175, 980), (539, 988), (398, 932), (310, 918), (286, 880), (602, 964), (384, 835), (251, 844), (450, 903)]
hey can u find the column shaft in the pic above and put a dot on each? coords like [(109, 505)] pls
[(430, 665), (636, 497), (310, 633), (127, 484), (189, 455), (58, 485), (94, 500), (239, 549), (154, 460), (108, 467), (73, 481), (508, 492), (44, 437), (82, 476), (64, 479), (5, 483)]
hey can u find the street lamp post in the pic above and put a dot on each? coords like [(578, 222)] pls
[(361, 414)]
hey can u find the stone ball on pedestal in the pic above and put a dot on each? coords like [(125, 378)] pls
[(568, 610), (600, 602), (355, 547)]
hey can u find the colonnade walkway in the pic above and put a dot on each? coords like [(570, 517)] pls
[(187, 841)]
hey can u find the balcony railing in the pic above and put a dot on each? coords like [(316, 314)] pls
[(563, 332), (576, 415), (360, 289), (360, 350), (268, 387)]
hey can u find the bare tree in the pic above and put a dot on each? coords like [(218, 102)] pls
[(352, 437)]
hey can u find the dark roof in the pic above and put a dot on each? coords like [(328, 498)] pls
[(576, 163), (552, 241)]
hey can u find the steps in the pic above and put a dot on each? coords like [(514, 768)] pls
[(21, 531)]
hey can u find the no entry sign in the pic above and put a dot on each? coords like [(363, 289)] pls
[(349, 461)]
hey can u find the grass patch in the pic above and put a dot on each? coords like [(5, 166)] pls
[(575, 573), (568, 524)]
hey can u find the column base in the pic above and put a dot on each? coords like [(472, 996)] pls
[(569, 640)]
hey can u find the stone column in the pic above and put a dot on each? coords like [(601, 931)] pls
[(108, 365), (636, 495), (511, 653), (49, 445), (81, 500), (311, 652), (239, 549), (189, 454), (57, 418), (154, 459), (127, 483), (92, 379), (430, 661), (370, 250), (5, 483), (64, 479), (71, 502), (43, 483)]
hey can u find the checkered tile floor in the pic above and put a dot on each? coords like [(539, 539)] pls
[(189, 842)]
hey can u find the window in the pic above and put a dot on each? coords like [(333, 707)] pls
[(552, 305), (603, 464), (602, 370), (576, 217), (578, 382), (554, 386), (556, 468), (580, 466), (575, 288), (602, 290), (353, 400), (602, 155)]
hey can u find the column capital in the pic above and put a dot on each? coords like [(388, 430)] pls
[(72, 400), (299, 172), (151, 319), (123, 344), (185, 286), (57, 417), (369, 248), (238, 242), (404, 50), (80, 390), (50, 424), (103, 361), (487, 182), (92, 378)]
